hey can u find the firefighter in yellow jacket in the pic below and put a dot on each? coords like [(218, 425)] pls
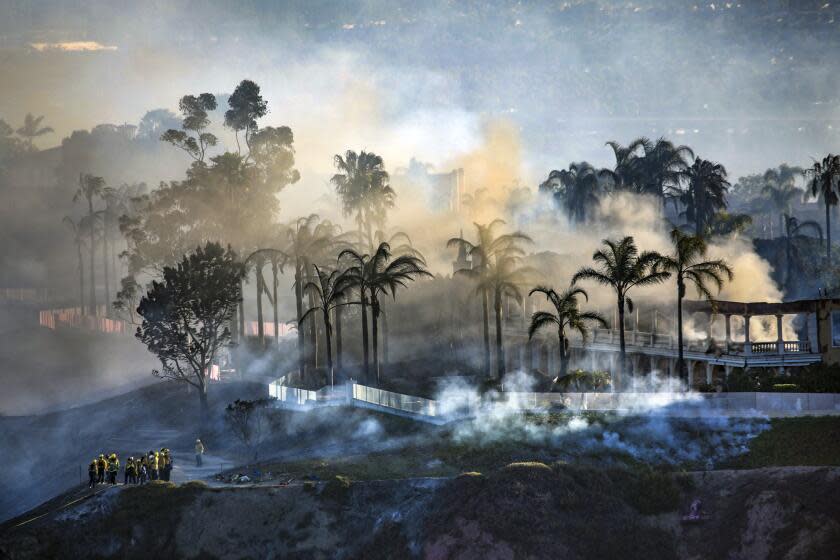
[(154, 465), (113, 468), (102, 466)]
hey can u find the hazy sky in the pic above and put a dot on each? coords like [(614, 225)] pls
[(751, 84)]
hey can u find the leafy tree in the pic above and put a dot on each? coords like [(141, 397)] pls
[(724, 223), (823, 184), (566, 315), (155, 122), (187, 313), (249, 421), (246, 106), (193, 138), (687, 266), (705, 195), (623, 268), (90, 187), (488, 245), (362, 185), (128, 297), (794, 235), (577, 189), (32, 129)]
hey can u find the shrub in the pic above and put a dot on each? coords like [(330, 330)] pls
[(337, 489), (786, 387)]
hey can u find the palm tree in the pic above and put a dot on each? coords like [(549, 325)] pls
[(330, 292), (623, 268), (687, 266), (648, 167), (90, 187), (566, 315), (373, 276), (32, 129), (577, 189), (388, 275), (362, 185), (795, 231), (502, 278), (823, 183), (400, 244), (486, 248), (779, 198), (78, 230), (307, 239), (260, 258), (706, 193)]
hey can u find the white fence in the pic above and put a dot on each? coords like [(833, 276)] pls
[(671, 404)]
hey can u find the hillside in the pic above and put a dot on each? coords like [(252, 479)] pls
[(523, 510)]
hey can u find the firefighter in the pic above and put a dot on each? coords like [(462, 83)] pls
[(130, 472), (102, 464), (154, 472), (199, 451), (143, 471), (113, 468), (93, 472), (166, 464)]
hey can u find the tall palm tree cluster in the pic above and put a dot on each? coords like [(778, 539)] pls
[(98, 227), (658, 168), (620, 266)]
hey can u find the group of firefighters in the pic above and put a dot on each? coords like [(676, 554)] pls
[(155, 465)]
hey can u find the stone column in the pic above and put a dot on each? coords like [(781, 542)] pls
[(709, 368), (709, 328), (747, 341), (728, 324), (780, 339), (690, 365)]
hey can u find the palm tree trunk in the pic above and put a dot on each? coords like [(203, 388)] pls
[(788, 263), (622, 366), (500, 353), (92, 277), (384, 339), (327, 339), (484, 305), (241, 316), (81, 278), (260, 323), (564, 359), (374, 332), (274, 303), (313, 333), (338, 349), (105, 265), (365, 356), (299, 309), (828, 234), (680, 359)]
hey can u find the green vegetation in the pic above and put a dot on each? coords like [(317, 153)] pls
[(794, 442), (816, 378)]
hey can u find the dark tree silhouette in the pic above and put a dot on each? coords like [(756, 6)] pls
[(823, 184), (687, 266), (566, 315), (623, 268), (186, 315)]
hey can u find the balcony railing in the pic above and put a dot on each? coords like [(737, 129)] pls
[(657, 340)]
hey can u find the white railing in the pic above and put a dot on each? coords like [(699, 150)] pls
[(397, 401)]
